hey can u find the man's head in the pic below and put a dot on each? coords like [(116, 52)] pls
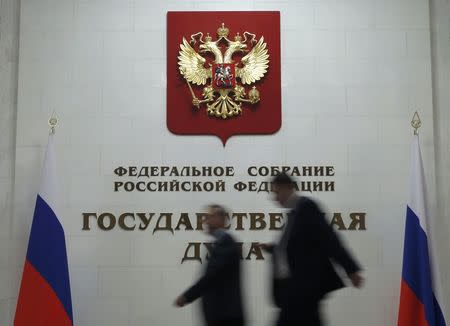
[(216, 217), (283, 188)]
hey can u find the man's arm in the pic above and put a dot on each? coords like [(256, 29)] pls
[(267, 247), (332, 245)]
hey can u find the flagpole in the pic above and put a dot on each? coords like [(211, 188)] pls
[(52, 122), (416, 123), (45, 296)]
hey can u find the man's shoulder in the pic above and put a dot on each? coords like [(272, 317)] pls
[(225, 243), (305, 201), (227, 238)]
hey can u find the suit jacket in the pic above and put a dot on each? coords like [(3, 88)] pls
[(220, 285), (312, 245)]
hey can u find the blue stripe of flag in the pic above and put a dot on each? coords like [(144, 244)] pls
[(47, 252), (416, 268)]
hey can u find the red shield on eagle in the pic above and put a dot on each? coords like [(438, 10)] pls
[(223, 73)]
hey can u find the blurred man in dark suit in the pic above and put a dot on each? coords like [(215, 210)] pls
[(302, 259), (220, 285)]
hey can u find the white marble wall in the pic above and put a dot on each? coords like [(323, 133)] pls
[(353, 72), (440, 37), (9, 45)]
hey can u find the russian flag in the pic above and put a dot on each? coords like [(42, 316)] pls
[(44, 297), (418, 297)]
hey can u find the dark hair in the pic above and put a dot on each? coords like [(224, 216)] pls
[(282, 179), (219, 209)]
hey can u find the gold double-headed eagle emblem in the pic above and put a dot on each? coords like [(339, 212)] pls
[(223, 95)]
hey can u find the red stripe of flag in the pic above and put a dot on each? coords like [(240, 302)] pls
[(38, 304), (411, 311)]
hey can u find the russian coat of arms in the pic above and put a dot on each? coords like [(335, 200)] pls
[(219, 79), (229, 77)]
